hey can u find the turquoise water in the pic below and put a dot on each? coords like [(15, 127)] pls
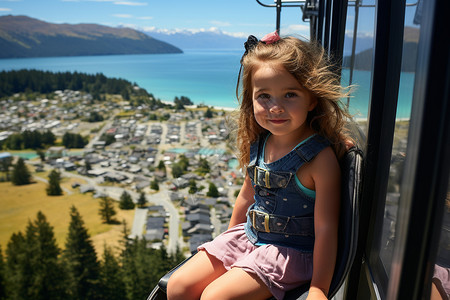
[(201, 151), (205, 76), (26, 155)]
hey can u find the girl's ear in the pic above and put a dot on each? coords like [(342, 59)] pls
[(313, 102)]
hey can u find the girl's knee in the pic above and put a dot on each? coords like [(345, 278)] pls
[(212, 293), (177, 287), (182, 285)]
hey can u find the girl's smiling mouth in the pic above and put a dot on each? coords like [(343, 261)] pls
[(277, 121)]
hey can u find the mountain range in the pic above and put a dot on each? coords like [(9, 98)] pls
[(205, 39), (22, 36), (364, 58)]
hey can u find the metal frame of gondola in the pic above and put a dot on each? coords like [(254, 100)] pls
[(425, 184)]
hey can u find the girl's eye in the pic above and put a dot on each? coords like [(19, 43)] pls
[(264, 96), (290, 95)]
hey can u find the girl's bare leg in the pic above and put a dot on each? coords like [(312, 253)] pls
[(236, 284), (189, 281)]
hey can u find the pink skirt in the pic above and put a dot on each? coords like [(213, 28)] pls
[(280, 268)]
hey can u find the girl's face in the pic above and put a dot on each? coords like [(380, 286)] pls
[(280, 103)]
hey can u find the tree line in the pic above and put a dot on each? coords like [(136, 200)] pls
[(34, 267), (45, 82), (37, 140), (29, 140), (98, 85)]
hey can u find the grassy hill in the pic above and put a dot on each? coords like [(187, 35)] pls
[(22, 36), (21, 204)]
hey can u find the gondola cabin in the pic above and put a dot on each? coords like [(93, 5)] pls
[(397, 55)]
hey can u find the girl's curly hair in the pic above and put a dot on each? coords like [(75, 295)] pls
[(309, 64)]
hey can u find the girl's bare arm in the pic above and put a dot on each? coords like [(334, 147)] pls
[(243, 201), (326, 175)]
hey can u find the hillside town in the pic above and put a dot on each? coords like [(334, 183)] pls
[(131, 150)]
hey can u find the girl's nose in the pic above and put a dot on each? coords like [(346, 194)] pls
[(275, 108)]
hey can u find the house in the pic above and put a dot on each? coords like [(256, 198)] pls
[(86, 189), (142, 185), (197, 218), (155, 222), (154, 234), (96, 172), (99, 144), (114, 177), (175, 196), (198, 239), (200, 229), (56, 152), (135, 169), (5, 155), (181, 183), (157, 209), (69, 166), (154, 229)]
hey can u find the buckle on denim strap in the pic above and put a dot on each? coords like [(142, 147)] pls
[(256, 225), (266, 178), (266, 222)]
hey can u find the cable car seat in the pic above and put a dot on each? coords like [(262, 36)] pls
[(351, 164)]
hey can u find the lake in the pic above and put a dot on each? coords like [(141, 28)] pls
[(205, 76)]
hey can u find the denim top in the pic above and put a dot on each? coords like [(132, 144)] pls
[(283, 214)]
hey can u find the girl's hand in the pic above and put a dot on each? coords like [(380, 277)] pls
[(316, 294)]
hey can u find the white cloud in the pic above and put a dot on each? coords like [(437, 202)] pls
[(220, 23), (296, 29), (128, 16), (187, 30), (88, 0), (130, 3), (122, 16), (360, 34), (5, 9)]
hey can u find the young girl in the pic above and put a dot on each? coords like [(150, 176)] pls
[(283, 230)]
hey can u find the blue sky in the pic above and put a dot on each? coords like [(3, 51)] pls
[(235, 17)]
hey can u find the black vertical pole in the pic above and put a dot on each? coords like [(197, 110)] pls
[(389, 29), (278, 15), (426, 180)]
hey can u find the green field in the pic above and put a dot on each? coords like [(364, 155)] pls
[(19, 204)]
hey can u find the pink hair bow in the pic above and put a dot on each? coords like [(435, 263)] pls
[(271, 38)]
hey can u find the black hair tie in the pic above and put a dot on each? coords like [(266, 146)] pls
[(249, 45)]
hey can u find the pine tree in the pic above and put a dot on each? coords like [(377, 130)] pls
[(17, 267), (208, 113), (81, 260), (142, 201), (154, 185), (161, 166), (192, 186), (33, 268), (137, 275), (111, 277), (48, 138), (20, 175), (48, 275), (212, 192), (2, 276), (53, 188), (41, 154), (107, 211), (126, 202)]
